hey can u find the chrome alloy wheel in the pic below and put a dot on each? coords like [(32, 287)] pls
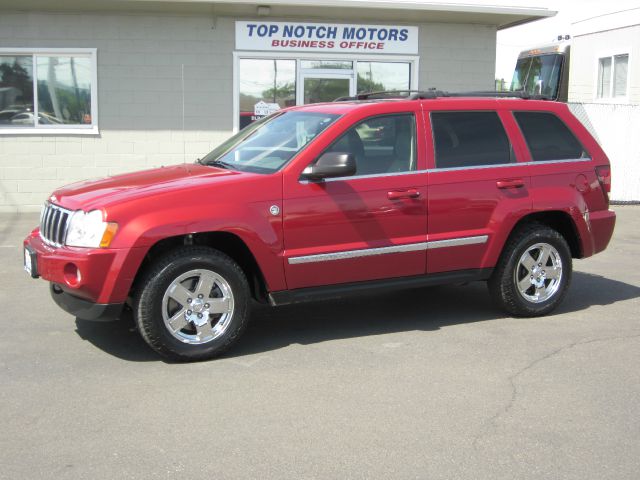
[(197, 306), (539, 273)]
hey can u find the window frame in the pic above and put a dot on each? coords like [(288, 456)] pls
[(89, 129), (611, 54), (299, 57)]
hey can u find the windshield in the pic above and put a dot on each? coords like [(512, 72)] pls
[(538, 75), (266, 145)]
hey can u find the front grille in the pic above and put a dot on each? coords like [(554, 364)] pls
[(54, 224)]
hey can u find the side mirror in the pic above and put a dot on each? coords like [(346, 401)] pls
[(331, 165)]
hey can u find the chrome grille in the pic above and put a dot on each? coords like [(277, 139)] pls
[(54, 223)]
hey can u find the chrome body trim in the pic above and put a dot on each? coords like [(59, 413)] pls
[(452, 169), (458, 242), (54, 224), (367, 252), (502, 165)]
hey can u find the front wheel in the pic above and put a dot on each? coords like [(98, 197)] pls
[(533, 273), (192, 304)]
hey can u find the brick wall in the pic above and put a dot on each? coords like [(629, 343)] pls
[(457, 57), (140, 60)]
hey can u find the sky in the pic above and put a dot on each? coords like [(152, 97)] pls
[(513, 40)]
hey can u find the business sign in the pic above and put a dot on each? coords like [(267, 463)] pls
[(263, 109), (322, 37)]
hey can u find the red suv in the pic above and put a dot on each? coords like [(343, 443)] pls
[(330, 199)]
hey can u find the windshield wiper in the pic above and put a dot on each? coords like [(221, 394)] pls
[(221, 164)]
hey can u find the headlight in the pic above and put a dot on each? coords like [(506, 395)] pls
[(89, 230)]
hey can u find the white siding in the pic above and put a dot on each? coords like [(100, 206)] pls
[(585, 52)]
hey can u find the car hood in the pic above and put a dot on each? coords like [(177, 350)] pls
[(92, 194)]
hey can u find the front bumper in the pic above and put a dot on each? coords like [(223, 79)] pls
[(84, 309), (100, 276)]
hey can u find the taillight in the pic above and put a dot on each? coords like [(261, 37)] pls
[(604, 177)]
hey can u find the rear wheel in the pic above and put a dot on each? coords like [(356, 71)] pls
[(534, 272), (192, 304)]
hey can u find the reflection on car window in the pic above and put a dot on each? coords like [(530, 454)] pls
[(467, 139), (383, 144), (267, 145)]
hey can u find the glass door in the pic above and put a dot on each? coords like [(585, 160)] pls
[(324, 87)]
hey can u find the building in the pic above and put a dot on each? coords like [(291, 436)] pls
[(604, 91), (603, 67), (91, 88)]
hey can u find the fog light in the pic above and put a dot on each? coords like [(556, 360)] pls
[(72, 275)]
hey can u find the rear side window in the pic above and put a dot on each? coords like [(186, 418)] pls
[(467, 139), (548, 137)]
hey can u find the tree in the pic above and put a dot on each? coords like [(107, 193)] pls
[(16, 76)]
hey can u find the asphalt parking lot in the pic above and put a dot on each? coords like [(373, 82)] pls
[(428, 384)]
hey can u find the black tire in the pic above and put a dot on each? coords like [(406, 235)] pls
[(503, 283), (152, 295)]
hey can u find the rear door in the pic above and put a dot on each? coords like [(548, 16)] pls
[(369, 226), (478, 186)]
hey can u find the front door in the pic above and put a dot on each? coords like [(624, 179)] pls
[(372, 225), (324, 87)]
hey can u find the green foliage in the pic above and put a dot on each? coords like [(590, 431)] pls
[(367, 85)]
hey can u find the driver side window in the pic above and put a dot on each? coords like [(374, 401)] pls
[(382, 144)]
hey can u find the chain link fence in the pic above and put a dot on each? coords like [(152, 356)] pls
[(617, 129)]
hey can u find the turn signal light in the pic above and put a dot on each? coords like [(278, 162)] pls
[(108, 234)]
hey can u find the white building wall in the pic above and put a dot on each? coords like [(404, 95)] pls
[(586, 49), (140, 60)]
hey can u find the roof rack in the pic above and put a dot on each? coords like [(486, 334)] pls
[(433, 93), (379, 95)]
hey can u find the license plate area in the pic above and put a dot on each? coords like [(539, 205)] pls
[(31, 262)]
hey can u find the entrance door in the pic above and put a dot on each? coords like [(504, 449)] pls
[(324, 87)]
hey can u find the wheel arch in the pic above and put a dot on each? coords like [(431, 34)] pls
[(558, 220), (226, 242)]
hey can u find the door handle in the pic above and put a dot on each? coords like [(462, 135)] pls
[(514, 183), (396, 195)]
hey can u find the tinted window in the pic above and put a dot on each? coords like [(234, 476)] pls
[(548, 137), (384, 144), (466, 139)]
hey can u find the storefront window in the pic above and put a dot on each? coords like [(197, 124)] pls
[(380, 76), (64, 90), (326, 65), (265, 86), (16, 91), (47, 91)]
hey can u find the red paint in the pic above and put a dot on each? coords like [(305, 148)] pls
[(334, 216)]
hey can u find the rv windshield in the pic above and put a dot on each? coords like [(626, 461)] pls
[(538, 75)]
